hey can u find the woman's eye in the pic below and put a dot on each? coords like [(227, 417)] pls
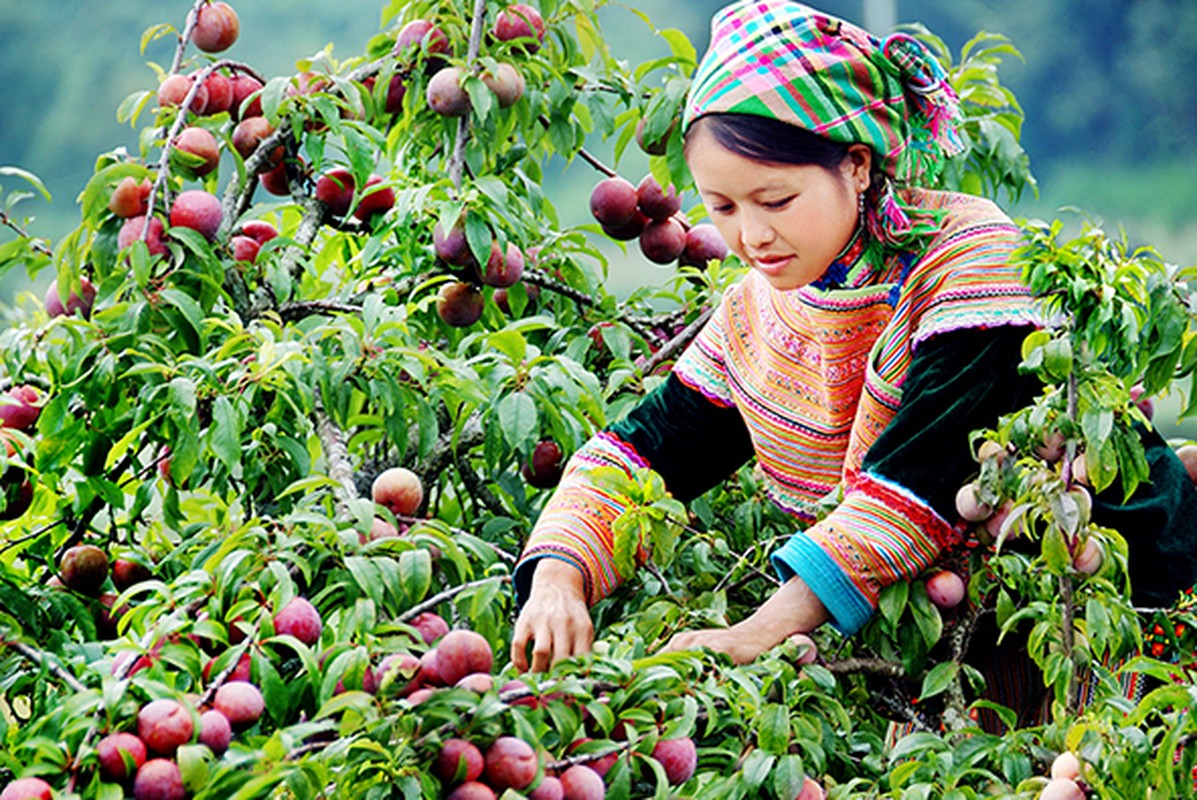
[(776, 204)]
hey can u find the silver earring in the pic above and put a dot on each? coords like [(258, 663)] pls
[(860, 204)]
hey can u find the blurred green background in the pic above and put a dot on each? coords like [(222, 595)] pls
[(1106, 86)]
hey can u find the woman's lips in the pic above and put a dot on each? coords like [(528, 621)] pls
[(771, 265)]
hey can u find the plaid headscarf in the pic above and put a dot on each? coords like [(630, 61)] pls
[(786, 61)]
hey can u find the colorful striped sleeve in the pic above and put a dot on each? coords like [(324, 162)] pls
[(899, 512)]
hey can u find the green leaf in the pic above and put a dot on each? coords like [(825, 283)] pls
[(415, 574), (939, 679), (893, 601), (1055, 551), (773, 729), (626, 529), (519, 419), (225, 433), (28, 177)]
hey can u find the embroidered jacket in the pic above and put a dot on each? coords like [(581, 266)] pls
[(865, 383)]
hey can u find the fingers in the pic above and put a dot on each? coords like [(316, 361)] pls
[(552, 637)]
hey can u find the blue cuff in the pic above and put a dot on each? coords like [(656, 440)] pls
[(848, 607)]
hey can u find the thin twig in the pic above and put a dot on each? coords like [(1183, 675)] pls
[(677, 343), (448, 594), (457, 160), (54, 667), (38, 245)]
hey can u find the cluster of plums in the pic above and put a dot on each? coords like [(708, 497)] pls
[(652, 215)]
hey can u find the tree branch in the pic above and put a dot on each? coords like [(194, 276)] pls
[(332, 439), (448, 594), (53, 666)]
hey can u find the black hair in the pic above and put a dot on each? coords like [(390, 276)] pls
[(765, 139)]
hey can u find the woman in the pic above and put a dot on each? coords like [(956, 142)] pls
[(879, 325)]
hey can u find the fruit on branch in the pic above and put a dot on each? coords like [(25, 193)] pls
[(261, 232), (199, 143), (1091, 557), (1051, 446), (240, 673), (1066, 766), (511, 763), (946, 589), (164, 725), (703, 244), (663, 240), (808, 651), (1080, 470), (601, 765), (520, 21), (174, 89), (430, 626), (399, 490), (380, 529), (216, 733), (655, 202), (240, 702), (220, 94), (112, 751), (613, 202), (1062, 789), (275, 180), (503, 270), (244, 249), (20, 407), (1145, 404), (249, 134), (299, 618), (459, 304), (1187, 453), (549, 788), (580, 782), (126, 573), (198, 210), (503, 301), (445, 94), (376, 199), (471, 790), (994, 525), (506, 82), (659, 146), (77, 302), (477, 682), (398, 674), (458, 761), (29, 789), (159, 779), (451, 246), (678, 757), (335, 189), (130, 196), (216, 28), (990, 449), (84, 568), (811, 790), (628, 231), (460, 653), (543, 469), (969, 505), (243, 87), (131, 231), (421, 36)]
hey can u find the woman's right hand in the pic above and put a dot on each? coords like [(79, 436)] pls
[(555, 620)]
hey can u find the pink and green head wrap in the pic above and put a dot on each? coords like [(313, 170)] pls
[(786, 61)]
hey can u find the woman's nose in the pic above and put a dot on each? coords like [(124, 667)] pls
[(755, 232)]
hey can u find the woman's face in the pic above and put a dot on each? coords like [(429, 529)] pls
[(787, 222)]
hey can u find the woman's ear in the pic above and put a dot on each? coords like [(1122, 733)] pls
[(858, 165)]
